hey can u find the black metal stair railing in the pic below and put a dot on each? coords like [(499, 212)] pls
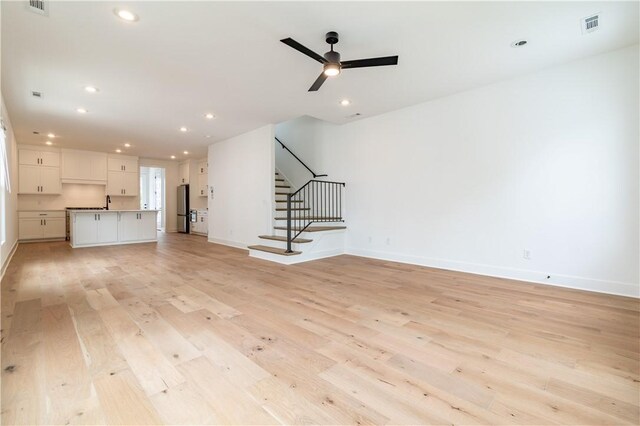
[(316, 202)]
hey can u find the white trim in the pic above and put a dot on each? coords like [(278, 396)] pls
[(568, 281), (229, 243), (6, 263), (298, 258)]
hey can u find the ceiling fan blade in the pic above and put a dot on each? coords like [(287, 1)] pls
[(316, 84), (300, 48), (371, 62)]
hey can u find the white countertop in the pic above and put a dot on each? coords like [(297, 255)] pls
[(110, 211)]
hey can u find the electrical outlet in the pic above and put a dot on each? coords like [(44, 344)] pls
[(369, 239), (526, 254), (388, 240)]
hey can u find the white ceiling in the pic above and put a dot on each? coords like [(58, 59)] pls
[(183, 59)]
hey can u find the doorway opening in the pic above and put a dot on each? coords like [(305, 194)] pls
[(153, 193)]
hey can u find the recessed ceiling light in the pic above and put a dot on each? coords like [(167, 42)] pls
[(209, 116), (183, 129), (91, 89), (345, 102), (125, 15), (207, 136), (49, 143), (82, 110), (173, 157), (185, 152), (50, 135), (518, 43), (118, 150), (127, 145)]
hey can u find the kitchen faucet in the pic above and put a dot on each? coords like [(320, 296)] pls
[(108, 202)]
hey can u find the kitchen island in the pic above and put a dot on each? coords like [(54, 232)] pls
[(110, 227)]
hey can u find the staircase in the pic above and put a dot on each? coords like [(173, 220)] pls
[(308, 222)]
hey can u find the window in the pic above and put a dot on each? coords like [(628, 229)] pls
[(5, 183)]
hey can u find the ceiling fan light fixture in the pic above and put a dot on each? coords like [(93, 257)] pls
[(331, 70)]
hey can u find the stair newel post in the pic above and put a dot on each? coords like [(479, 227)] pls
[(289, 223)]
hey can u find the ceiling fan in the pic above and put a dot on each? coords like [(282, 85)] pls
[(331, 60)]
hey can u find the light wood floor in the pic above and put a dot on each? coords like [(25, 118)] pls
[(187, 332)]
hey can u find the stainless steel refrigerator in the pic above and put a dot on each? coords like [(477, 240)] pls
[(183, 209)]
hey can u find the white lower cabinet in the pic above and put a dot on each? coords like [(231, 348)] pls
[(94, 228), (112, 227), (44, 225), (138, 226)]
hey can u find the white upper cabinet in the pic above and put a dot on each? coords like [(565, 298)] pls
[(203, 167), (183, 172), (38, 171), (84, 167), (37, 157), (123, 163), (122, 175)]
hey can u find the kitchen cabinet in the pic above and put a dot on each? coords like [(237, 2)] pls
[(38, 171), (93, 228), (201, 225), (203, 167), (203, 184), (36, 157), (122, 176), (110, 227), (183, 172), (137, 226), (44, 225), (123, 163), (83, 167), (39, 180)]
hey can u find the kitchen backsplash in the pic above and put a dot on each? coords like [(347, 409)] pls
[(76, 195)]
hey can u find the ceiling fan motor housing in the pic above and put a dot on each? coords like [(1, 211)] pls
[(332, 57)]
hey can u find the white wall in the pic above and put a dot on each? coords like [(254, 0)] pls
[(11, 199), (547, 163), (241, 171), (303, 136)]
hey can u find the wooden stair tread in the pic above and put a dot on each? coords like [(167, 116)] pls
[(293, 201), (282, 193), (279, 180), (327, 218), (283, 186), (284, 209), (279, 238), (312, 228), (274, 250)]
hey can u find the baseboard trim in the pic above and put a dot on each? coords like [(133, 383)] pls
[(6, 263), (537, 277), (229, 243)]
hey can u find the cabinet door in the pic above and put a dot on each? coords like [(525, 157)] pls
[(29, 229), (50, 159), (131, 184), (98, 167), (54, 228), (202, 185), (50, 180), (85, 228), (183, 172), (28, 157), (130, 166), (114, 164), (148, 226), (115, 183), (28, 179), (72, 165), (107, 227), (128, 226)]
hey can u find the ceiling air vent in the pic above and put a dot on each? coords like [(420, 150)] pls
[(590, 23), (36, 94), (39, 7)]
